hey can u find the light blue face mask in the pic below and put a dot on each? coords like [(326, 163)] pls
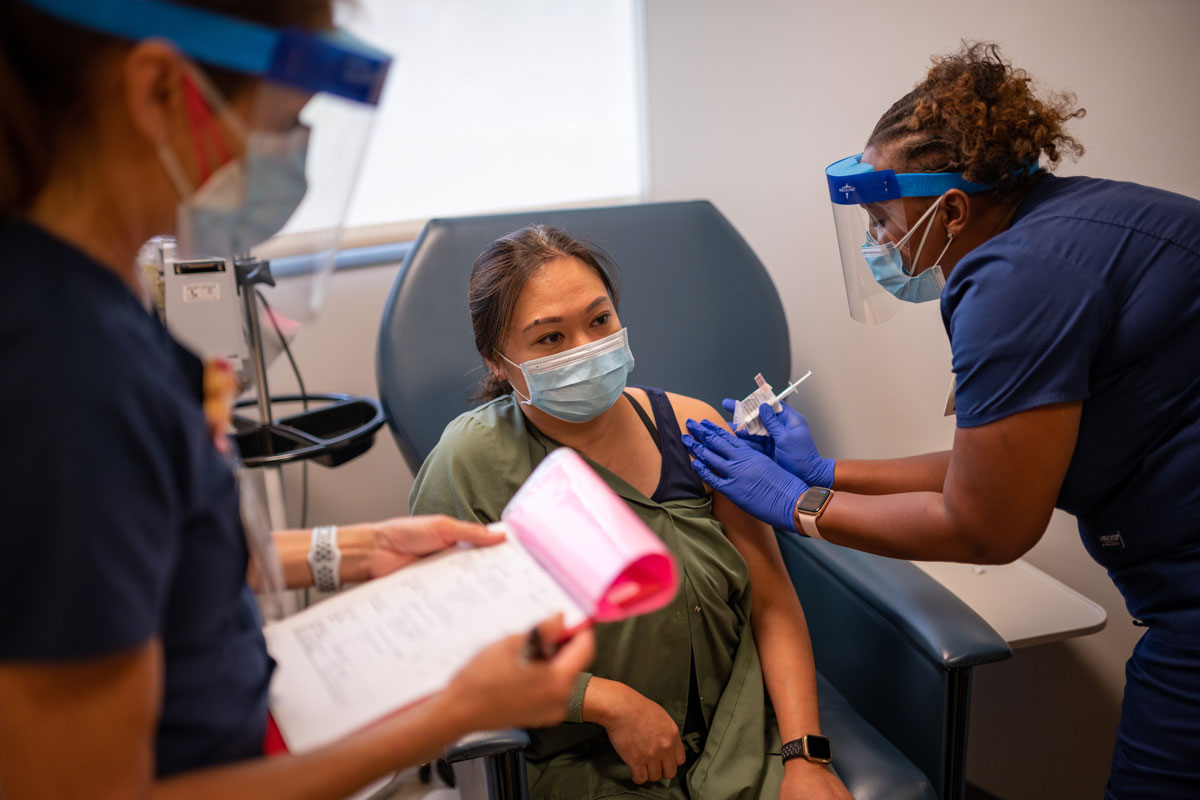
[(887, 265), (579, 384)]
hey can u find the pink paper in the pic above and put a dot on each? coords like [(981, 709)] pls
[(600, 552)]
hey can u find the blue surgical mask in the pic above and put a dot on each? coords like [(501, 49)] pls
[(247, 200), (887, 265), (579, 384)]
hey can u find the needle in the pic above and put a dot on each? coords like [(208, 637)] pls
[(792, 387)]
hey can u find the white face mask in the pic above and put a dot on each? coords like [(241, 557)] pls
[(245, 201)]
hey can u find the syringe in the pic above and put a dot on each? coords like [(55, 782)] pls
[(792, 386), (789, 390)]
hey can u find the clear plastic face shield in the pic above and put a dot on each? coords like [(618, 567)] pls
[(326, 137), (281, 157), (882, 219)]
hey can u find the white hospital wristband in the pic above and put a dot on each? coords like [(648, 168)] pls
[(325, 558)]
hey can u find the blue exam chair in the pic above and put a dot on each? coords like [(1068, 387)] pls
[(894, 649)]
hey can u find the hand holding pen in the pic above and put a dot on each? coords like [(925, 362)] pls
[(524, 680)]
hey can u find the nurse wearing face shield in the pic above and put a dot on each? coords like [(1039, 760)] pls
[(131, 657), (1073, 311)]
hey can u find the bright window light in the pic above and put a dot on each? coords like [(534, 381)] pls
[(493, 106)]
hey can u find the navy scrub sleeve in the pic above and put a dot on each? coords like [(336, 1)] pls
[(1093, 296), (121, 519)]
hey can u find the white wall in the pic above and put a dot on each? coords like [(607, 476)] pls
[(749, 101)]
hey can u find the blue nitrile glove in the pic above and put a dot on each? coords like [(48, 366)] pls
[(795, 449), (790, 444), (736, 469), (763, 444)]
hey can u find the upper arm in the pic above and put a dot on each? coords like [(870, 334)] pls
[(690, 408), (92, 521), (1004, 478), (754, 540), (79, 729), (1025, 329), (90, 544)]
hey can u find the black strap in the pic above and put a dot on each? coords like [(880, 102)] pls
[(645, 419)]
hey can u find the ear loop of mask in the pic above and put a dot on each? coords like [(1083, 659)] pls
[(201, 123), (516, 391), (920, 247)]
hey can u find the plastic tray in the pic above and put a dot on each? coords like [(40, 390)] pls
[(343, 428)]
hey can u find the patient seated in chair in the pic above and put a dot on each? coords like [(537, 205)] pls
[(688, 701)]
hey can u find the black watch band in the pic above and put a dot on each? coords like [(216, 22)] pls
[(812, 747)]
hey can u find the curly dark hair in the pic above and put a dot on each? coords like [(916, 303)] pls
[(974, 113), (501, 272)]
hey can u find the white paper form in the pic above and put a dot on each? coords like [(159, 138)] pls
[(356, 657)]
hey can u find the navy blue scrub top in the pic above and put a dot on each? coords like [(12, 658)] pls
[(120, 518), (1093, 295)]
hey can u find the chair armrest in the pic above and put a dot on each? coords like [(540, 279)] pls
[(933, 619), (898, 646), (481, 744), (869, 765)]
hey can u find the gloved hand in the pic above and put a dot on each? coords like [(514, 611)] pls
[(738, 470), (795, 449), (790, 444), (763, 444)]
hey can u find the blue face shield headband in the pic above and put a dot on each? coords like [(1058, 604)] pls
[(854, 182), (332, 62)]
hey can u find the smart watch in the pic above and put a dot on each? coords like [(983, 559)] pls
[(812, 747), (809, 508)]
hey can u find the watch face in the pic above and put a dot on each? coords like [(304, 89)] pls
[(813, 499), (818, 748)]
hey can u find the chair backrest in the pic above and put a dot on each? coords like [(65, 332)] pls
[(702, 313)]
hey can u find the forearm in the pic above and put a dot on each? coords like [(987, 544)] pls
[(602, 700), (789, 673), (356, 543), (923, 473), (413, 737), (780, 630), (916, 525)]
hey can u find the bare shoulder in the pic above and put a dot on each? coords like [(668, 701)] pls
[(640, 397), (690, 408)]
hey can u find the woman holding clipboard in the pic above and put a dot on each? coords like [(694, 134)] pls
[(132, 661)]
